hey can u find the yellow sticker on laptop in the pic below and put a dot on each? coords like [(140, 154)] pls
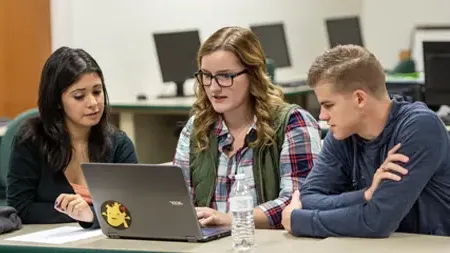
[(116, 214)]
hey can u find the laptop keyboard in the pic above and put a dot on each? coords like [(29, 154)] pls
[(213, 230)]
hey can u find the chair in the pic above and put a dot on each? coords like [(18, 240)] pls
[(4, 119), (5, 147), (405, 67), (406, 64)]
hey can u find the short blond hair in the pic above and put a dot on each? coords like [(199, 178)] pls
[(348, 68)]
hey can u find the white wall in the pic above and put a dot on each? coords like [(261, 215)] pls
[(118, 33), (387, 24)]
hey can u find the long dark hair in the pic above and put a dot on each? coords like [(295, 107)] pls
[(63, 68)]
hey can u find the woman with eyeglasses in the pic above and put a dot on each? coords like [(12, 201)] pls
[(240, 124)]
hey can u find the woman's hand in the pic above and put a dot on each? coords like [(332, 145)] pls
[(210, 217), (75, 207)]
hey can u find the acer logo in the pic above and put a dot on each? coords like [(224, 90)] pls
[(176, 203)]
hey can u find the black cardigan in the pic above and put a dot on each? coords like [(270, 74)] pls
[(32, 186)]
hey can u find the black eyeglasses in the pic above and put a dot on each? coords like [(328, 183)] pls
[(222, 79)]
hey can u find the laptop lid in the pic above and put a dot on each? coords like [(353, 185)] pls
[(144, 201)]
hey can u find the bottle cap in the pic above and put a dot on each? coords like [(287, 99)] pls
[(239, 176)]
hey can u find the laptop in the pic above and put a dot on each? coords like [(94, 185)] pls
[(145, 201)]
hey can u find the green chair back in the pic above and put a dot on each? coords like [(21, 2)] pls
[(6, 145), (405, 66)]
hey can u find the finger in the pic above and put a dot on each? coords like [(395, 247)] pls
[(205, 210), (202, 215), (59, 210), (59, 199), (65, 201), (79, 208), (207, 221), (394, 149), (70, 207), (397, 158), (392, 167), (390, 176), (81, 205), (202, 209)]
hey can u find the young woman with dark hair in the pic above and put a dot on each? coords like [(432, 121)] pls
[(45, 180)]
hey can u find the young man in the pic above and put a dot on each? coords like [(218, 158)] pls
[(385, 166)]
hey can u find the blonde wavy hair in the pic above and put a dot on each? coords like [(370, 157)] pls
[(266, 97)]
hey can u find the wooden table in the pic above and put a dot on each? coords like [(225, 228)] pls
[(397, 243), (266, 240)]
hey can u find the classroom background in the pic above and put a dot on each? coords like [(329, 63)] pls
[(138, 42), (147, 49)]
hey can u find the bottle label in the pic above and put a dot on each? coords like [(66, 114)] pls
[(241, 204)]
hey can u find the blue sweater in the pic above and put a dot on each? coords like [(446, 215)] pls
[(333, 193)]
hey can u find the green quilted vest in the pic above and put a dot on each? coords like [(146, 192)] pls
[(266, 164)]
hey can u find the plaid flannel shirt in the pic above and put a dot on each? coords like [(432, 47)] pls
[(301, 146)]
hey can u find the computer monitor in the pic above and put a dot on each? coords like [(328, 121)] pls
[(344, 31), (423, 33), (177, 52), (273, 40), (436, 58)]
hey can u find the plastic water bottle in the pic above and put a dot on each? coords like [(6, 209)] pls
[(241, 207)]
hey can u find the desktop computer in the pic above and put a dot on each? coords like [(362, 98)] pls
[(436, 58), (344, 31), (273, 41), (177, 53)]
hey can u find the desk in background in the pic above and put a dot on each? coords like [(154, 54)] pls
[(324, 128), (403, 79), (412, 87), (152, 124), (175, 106), (266, 241)]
